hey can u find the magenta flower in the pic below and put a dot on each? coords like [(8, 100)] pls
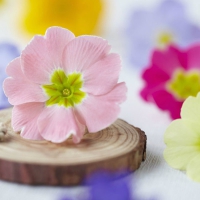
[(171, 77), (166, 24), (61, 85)]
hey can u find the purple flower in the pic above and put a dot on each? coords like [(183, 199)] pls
[(8, 52), (103, 187), (165, 25), (107, 186)]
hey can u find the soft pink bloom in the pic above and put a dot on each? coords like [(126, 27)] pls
[(171, 77), (87, 56)]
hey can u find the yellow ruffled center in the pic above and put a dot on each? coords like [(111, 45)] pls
[(184, 84), (164, 39), (65, 90)]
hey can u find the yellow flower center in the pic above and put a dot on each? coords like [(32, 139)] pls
[(164, 39), (65, 90), (184, 84)]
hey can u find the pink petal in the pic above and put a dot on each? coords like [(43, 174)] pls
[(14, 69), (181, 55), (44, 54), (193, 57), (117, 94), (154, 76), (166, 101), (21, 91), (24, 119), (98, 112), (155, 79), (147, 91), (83, 52), (18, 88), (56, 124), (101, 77), (168, 60)]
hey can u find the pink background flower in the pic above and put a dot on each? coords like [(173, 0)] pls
[(94, 99), (174, 67)]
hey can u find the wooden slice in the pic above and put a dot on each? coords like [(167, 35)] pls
[(121, 146)]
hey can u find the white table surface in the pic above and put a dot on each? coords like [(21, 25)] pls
[(154, 178)]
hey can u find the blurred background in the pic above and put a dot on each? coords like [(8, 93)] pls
[(126, 26), (21, 19)]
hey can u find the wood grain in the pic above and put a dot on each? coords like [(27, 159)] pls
[(121, 146)]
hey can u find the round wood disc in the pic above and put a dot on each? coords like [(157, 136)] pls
[(119, 147)]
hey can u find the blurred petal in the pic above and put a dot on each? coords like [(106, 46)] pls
[(181, 139), (193, 57), (191, 109), (179, 157), (193, 169), (155, 76), (171, 10), (167, 60), (105, 187), (182, 133), (165, 101)]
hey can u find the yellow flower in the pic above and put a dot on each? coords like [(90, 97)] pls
[(182, 138), (80, 16)]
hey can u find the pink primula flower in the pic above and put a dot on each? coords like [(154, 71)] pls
[(61, 85), (171, 77)]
